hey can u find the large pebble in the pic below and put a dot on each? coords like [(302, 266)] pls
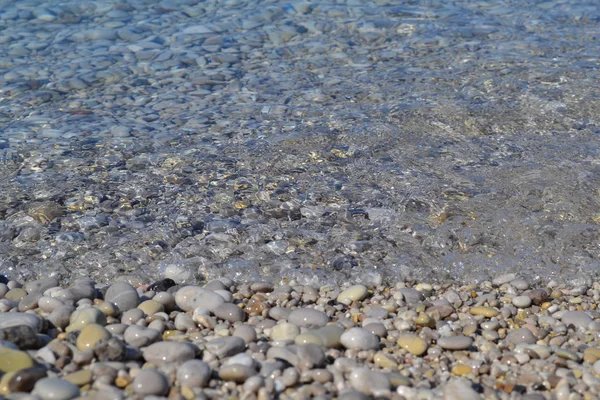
[(330, 335), (229, 312), (460, 389), (15, 318), (521, 301), (353, 293), (521, 335), (25, 379), (455, 342), (123, 295), (359, 338), (162, 353), (284, 331), (236, 372), (82, 318), (246, 332), (14, 360), (90, 335), (370, 382), (190, 297), (226, 346), (150, 382), (578, 319), (411, 296), (308, 318), (138, 336), (413, 344), (55, 389), (21, 335), (82, 289), (40, 285), (193, 373)]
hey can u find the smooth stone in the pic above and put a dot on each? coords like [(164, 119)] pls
[(82, 289), (308, 318), (485, 311), (310, 355), (80, 378), (521, 335), (162, 353), (460, 389), (49, 304), (455, 342), (330, 335), (376, 328), (29, 302), (520, 284), (189, 298), (24, 380), (279, 313), (308, 337), (413, 344), (184, 322), (370, 382), (521, 301), (55, 389), (21, 335), (90, 335), (597, 367), (132, 316), (578, 319), (123, 295), (151, 307), (229, 312), (353, 293), (359, 338), (246, 332), (284, 331), (568, 355), (505, 278), (16, 294), (41, 285), (236, 372), (242, 359), (61, 317), (82, 318), (150, 382), (193, 373), (411, 296), (224, 347), (14, 360), (10, 319)]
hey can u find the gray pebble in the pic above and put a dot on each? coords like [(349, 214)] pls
[(246, 332), (193, 373), (150, 382), (236, 372), (522, 335), (123, 295), (411, 296), (40, 285), (578, 319), (308, 318), (370, 382), (139, 336), (55, 388), (14, 318), (190, 297), (229, 312), (226, 346), (455, 342), (521, 301), (460, 389), (359, 338), (162, 353)]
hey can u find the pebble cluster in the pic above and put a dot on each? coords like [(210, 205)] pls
[(497, 340)]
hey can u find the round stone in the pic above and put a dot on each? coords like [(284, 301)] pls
[(522, 335), (353, 293), (16, 294), (189, 298), (193, 373), (359, 338), (246, 332), (123, 295), (82, 318), (308, 318), (151, 307), (455, 342), (578, 319), (162, 353), (236, 372), (90, 335), (150, 382), (521, 301), (330, 335), (229, 312), (14, 360), (372, 383), (413, 344), (284, 331), (24, 380), (55, 389), (308, 337)]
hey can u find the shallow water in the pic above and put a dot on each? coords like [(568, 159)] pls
[(316, 142)]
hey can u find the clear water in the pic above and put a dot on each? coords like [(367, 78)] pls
[(428, 140)]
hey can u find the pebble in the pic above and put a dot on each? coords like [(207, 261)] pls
[(162, 353), (284, 331), (521, 301), (485, 311), (123, 295), (226, 346), (11, 319), (578, 319), (151, 307), (246, 332), (55, 388), (370, 382), (460, 389), (12, 360), (413, 344), (455, 342), (189, 298), (353, 293), (150, 382), (308, 318), (236, 372), (359, 338), (522, 335), (82, 318), (193, 373), (229, 312), (90, 335)]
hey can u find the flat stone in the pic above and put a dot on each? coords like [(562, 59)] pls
[(40, 285), (55, 388), (331, 335), (11, 319), (372, 383), (455, 342), (505, 278), (460, 389), (61, 317), (353, 293), (123, 295), (90, 335), (521, 335), (81, 289), (151, 307), (29, 302), (236, 372), (162, 353), (150, 382), (578, 319), (359, 338), (79, 378), (413, 344), (189, 298), (485, 311), (226, 346), (308, 318), (193, 373), (229, 312)]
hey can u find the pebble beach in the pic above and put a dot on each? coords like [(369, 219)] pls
[(229, 199)]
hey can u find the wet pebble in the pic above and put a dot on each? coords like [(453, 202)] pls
[(150, 382), (308, 318), (455, 342), (55, 388), (359, 338), (193, 373)]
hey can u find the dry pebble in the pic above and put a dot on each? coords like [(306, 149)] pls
[(150, 382)]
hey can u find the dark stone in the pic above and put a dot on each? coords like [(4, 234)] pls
[(162, 286), (21, 335), (25, 379), (538, 296)]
